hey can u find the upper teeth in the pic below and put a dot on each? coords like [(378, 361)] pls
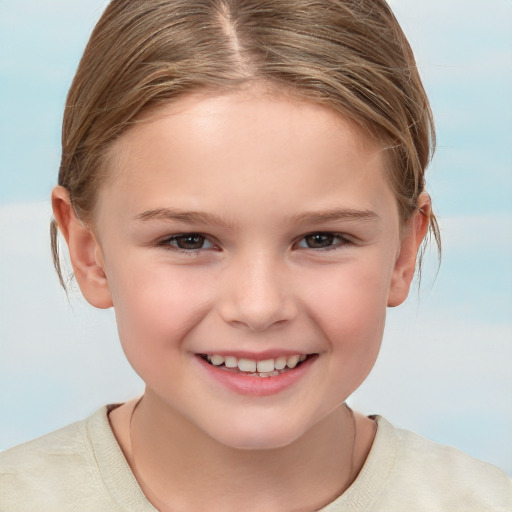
[(251, 365)]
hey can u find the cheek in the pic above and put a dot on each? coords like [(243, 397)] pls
[(349, 305), (155, 306), (349, 290)]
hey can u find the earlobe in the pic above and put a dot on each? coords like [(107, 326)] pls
[(405, 265), (84, 250)]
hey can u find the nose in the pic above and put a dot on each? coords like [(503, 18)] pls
[(255, 294)]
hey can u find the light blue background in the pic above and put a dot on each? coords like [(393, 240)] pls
[(445, 369)]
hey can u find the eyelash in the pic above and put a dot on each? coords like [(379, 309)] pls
[(343, 240), (170, 242), (167, 243)]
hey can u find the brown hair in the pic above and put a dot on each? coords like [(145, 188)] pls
[(348, 54)]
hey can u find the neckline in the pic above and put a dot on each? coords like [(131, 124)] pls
[(115, 471), (373, 475), (123, 487)]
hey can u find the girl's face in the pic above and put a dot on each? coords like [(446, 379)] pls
[(239, 233)]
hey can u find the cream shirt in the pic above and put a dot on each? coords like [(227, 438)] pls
[(81, 468)]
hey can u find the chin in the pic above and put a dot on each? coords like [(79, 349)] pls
[(262, 435)]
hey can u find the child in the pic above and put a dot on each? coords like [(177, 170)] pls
[(243, 181)]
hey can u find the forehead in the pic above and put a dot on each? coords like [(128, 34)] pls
[(206, 149)]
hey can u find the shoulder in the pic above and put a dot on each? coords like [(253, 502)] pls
[(443, 476), (62, 442), (57, 470)]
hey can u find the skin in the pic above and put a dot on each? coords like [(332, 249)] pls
[(259, 165)]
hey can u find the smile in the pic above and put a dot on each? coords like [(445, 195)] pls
[(254, 368)]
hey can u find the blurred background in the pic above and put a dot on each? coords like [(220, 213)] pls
[(445, 369)]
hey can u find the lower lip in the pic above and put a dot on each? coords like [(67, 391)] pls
[(257, 386)]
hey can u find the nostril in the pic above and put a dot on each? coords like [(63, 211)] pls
[(258, 323)]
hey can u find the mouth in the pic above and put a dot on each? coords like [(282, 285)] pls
[(256, 368)]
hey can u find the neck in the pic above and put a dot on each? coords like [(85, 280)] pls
[(171, 459)]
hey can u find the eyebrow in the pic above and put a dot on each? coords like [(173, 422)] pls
[(314, 217), (336, 214), (173, 214)]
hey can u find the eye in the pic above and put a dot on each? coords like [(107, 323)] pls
[(321, 241), (188, 242)]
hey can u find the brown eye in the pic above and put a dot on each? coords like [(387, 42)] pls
[(189, 242), (321, 241)]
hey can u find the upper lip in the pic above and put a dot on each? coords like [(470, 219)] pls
[(256, 356)]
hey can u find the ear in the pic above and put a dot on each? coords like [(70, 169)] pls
[(84, 250), (414, 232)]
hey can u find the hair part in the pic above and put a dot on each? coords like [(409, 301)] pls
[(350, 55)]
